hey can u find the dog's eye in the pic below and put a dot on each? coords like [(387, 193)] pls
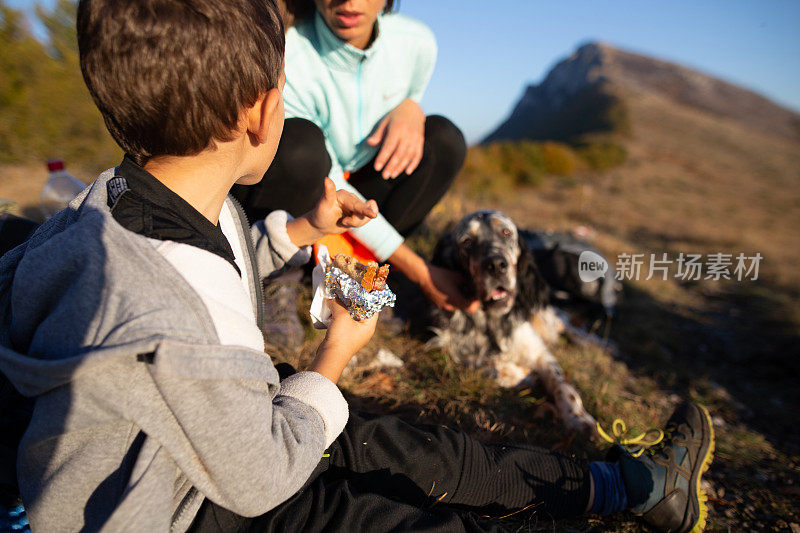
[(466, 243), (506, 233)]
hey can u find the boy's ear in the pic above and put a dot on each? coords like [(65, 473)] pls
[(260, 115)]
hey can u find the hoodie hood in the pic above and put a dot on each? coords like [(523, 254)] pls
[(19, 368), (60, 304)]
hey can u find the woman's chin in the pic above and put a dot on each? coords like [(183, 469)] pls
[(348, 34)]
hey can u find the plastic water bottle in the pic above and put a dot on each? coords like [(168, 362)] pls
[(60, 189)]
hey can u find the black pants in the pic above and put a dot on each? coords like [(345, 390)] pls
[(386, 475), (294, 181)]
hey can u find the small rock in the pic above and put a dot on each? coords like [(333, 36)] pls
[(718, 422), (386, 359)]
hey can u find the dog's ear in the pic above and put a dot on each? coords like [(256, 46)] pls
[(445, 254), (533, 292)]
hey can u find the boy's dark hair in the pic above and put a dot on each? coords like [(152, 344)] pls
[(172, 76)]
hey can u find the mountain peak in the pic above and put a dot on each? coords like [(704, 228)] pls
[(586, 92)]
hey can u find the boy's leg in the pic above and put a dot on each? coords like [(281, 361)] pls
[(421, 465), (335, 504), (383, 474), (294, 180), (407, 199)]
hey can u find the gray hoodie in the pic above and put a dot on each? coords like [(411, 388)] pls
[(140, 412)]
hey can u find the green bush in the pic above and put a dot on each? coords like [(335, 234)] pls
[(559, 159), (498, 168), (45, 109), (601, 155)]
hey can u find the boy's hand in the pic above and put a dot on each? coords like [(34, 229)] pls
[(345, 337), (402, 133), (336, 212)]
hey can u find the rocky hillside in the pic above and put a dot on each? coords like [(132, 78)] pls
[(587, 93)]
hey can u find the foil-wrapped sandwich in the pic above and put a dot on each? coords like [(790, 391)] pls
[(361, 288)]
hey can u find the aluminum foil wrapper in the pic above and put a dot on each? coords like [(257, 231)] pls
[(354, 297)]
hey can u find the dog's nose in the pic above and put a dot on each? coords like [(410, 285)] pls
[(496, 264)]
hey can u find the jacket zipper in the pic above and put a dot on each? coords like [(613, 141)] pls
[(182, 507), (258, 289), (360, 101)]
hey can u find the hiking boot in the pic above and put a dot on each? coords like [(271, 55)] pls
[(663, 484), (281, 323)]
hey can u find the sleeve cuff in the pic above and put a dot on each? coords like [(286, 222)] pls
[(275, 225), (322, 395)]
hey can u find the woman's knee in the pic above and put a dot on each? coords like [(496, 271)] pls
[(446, 140), (302, 155)]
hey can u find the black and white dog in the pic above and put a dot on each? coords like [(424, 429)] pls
[(500, 338)]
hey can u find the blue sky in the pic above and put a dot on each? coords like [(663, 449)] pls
[(489, 51)]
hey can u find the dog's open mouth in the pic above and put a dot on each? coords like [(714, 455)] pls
[(498, 296)]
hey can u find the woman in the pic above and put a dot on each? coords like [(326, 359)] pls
[(355, 73)]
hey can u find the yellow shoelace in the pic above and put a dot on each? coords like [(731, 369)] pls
[(620, 430)]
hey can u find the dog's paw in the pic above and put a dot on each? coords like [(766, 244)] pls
[(587, 427), (572, 412)]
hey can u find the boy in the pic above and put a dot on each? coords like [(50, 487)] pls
[(131, 318)]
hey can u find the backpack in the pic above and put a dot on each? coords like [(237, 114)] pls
[(557, 257)]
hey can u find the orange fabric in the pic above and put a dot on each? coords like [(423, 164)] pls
[(345, 244)]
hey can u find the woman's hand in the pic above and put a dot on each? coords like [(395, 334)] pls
[(440, 285), (443, 289), (344, 338), (336, 212), (402, 135)]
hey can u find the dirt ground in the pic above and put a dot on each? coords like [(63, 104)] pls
[(22, 184)]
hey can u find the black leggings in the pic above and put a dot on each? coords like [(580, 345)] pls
[(294, 181), (383, 474)]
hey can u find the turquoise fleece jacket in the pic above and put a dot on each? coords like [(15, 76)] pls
[(346, 92)]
